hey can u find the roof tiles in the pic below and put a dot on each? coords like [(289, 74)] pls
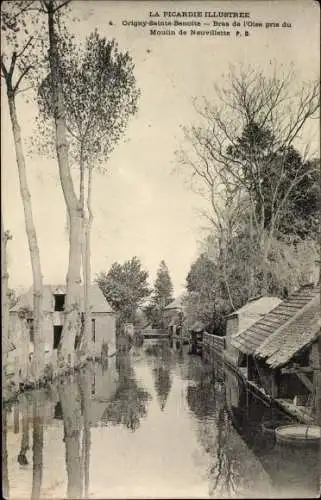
[(249, 340)]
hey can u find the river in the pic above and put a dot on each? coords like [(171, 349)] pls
[(156, 423)]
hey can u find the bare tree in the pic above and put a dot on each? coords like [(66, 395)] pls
[(15, 68), (239, 154)]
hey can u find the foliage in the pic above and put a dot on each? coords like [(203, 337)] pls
[(262, 193), (125, 287), (162, 296), (12, 298), (163, 288), (205, 300), (129, 404), (284, 187), (100, 94)]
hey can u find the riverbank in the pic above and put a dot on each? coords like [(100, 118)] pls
[(11, 391), (298, 414)]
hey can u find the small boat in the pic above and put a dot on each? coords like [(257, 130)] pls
[(269, 426), (298, 434)]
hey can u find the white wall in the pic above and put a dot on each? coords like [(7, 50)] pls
[(105, 331)]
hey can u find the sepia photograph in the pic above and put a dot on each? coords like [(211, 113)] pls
[(160, 249)]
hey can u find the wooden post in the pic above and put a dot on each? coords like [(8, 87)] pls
[(274, 386), (16, 418)]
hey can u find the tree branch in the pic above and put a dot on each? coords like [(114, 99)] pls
[(23, 74)]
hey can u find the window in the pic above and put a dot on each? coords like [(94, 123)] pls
[(93, 330), (57, 336), (58, 411), (59, 302), (30, 328)]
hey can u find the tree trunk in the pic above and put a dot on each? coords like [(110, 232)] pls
[(38, 359), (5, 477), (71, 326), (24, 341), (37, 447), (83, 345), (85, 392), (24, 447), (71, 411), (4, 302), (251, 270), (16, 419), (72, 303), (88, 226), (318, 374)]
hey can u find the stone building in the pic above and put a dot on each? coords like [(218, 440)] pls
[(103, 323)]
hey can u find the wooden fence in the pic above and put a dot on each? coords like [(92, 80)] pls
[(155, 333), (214, 342)]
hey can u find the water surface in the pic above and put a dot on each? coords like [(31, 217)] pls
[(154, 424)]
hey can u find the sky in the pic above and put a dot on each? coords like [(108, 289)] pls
[(141, 205)]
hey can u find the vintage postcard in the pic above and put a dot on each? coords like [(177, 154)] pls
[(160, 248)]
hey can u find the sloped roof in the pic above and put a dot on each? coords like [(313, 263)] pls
[(175, 304), (256, 307), (250, 339), (252, 312), (98, 302), (297, 333)]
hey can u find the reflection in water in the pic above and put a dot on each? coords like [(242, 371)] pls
[(85, 387), (163, 384), (222, 472), (71, 411), (162, 373), (215, 442), (207, 399), (129, 404), (5, 477), (206, 395), (37, 438), (232, 471)]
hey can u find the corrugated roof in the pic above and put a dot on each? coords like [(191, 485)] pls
[(297, 333), (97, 300), (249, 340)]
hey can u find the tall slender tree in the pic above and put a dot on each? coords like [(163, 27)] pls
[(163, 288), (4, 301), (52, 8), (162, 295), (15, 66), (37, 445), (99, 94)]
